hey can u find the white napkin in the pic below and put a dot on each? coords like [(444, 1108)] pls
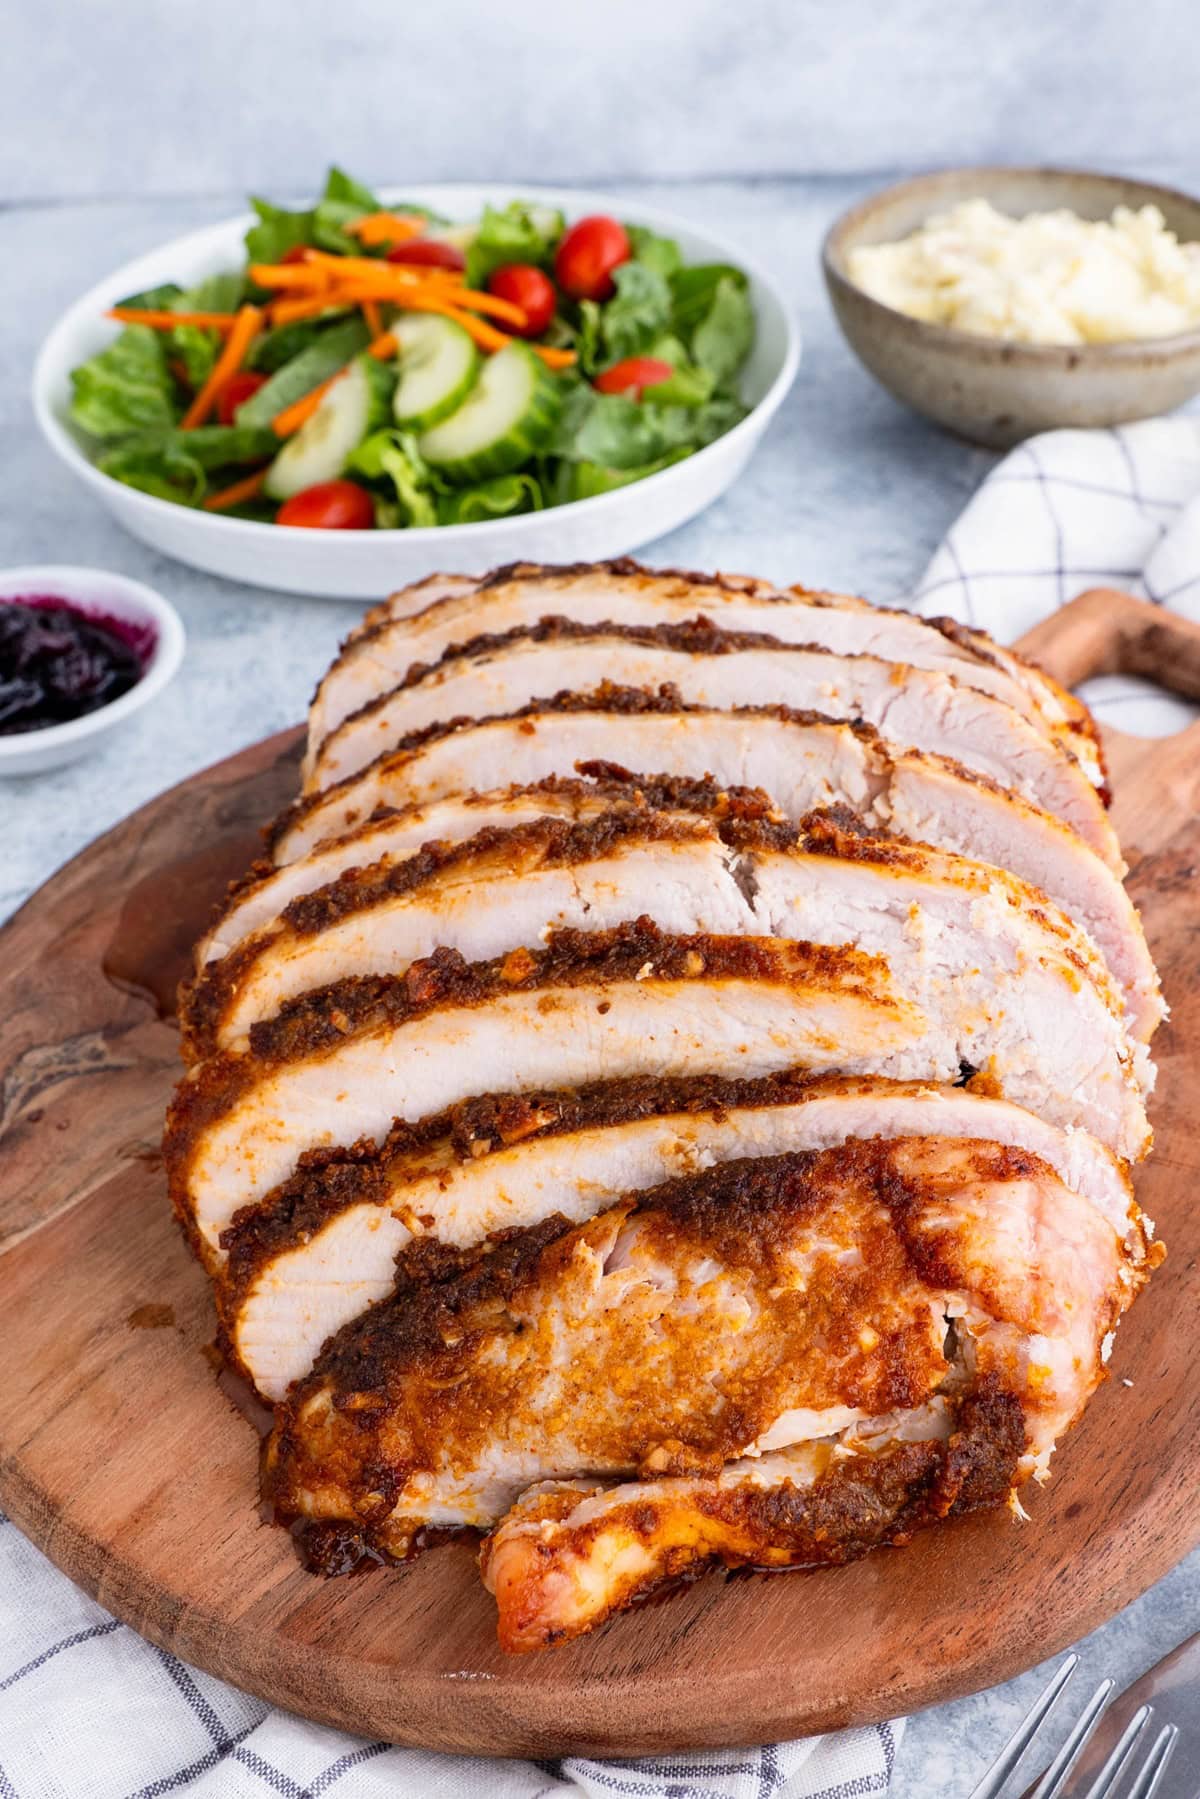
[(90, 1711), (1071, 510)]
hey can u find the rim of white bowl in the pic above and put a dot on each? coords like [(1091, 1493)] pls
[(123, 597), (99, 297)]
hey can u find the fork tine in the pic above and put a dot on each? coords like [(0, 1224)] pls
[(989, 1787), (1155, 1765), (1105, 1783), (1053, 1781)]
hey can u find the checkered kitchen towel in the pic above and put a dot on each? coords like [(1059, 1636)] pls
[(90, 1711), (1076, 509)]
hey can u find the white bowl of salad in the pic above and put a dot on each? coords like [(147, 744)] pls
[(338, 400)]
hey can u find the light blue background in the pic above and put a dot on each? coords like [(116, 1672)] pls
[(127, 122)]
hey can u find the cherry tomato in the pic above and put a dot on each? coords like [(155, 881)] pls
[(297, 253), (329, 506), (633, 375), (528, 288), (236, 392), (587, 256), (427, 253)]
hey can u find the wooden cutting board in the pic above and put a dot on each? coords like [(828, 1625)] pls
[(126, 1462)]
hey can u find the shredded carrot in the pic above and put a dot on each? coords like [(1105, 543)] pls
[(286, 312), (278, 275), (384, 348), (245, 330), (486, 336), (300, 411), (473, 301), (385, 228), (554, 359), (178, 369), (374, 323), (233, 496), (167, 321)]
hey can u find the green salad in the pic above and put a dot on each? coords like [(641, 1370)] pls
[(381, 367)]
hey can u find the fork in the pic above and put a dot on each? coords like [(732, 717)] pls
[(1147, 1772)]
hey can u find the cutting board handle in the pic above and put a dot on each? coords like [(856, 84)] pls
[(1108, 632)]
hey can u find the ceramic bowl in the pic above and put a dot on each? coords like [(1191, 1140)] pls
[(97, 591), (981, 387), (358, 565)]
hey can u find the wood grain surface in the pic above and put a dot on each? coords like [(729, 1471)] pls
[(122, 1457)]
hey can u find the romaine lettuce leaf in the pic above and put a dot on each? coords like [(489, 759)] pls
[(126, 388), (277, 231), (694, 289), (586, 479), (196, 348), (497, 498), (157, 466), (659, 253), (175, 464), (619, 432), (521, 232), (638, 312), (343, 201), (723, 339), (393, 456)]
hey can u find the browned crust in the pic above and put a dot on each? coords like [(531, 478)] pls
[(858, 1504), (317, 1023), (742, 818), (609, 698), (522, 848), (603, 782), (698, 636), (328, 1182), (746, 1213)]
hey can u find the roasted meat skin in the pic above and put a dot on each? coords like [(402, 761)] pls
[(592, 1005), (742, 1310), (377, 659), (325, 1245), (721, 669), (568, 1556), (508, 888)]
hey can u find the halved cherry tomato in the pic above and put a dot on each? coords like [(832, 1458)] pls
[(526, 287), (329, 506), (427, 253), (588, 254), (236, 392), (633, 375), (297, 253)]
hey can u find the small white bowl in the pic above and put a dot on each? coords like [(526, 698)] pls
[(365, 565), (92, 590)]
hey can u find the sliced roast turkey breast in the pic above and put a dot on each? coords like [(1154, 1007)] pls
[(323, 1247), (978, 951), (386, 838), (1057, 704), (802, 760), (914, 708), (379, 659), (737, 1311), (342, 1065), (415, 598)]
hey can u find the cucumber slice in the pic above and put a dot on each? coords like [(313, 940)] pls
[(355, 405), (438, 368), (506, 418)]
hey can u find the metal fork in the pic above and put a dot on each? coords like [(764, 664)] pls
[(1146, 1773)]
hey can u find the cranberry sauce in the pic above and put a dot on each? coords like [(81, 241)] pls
[(58, 661)]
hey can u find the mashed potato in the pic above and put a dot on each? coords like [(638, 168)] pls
[(1050, 278)]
